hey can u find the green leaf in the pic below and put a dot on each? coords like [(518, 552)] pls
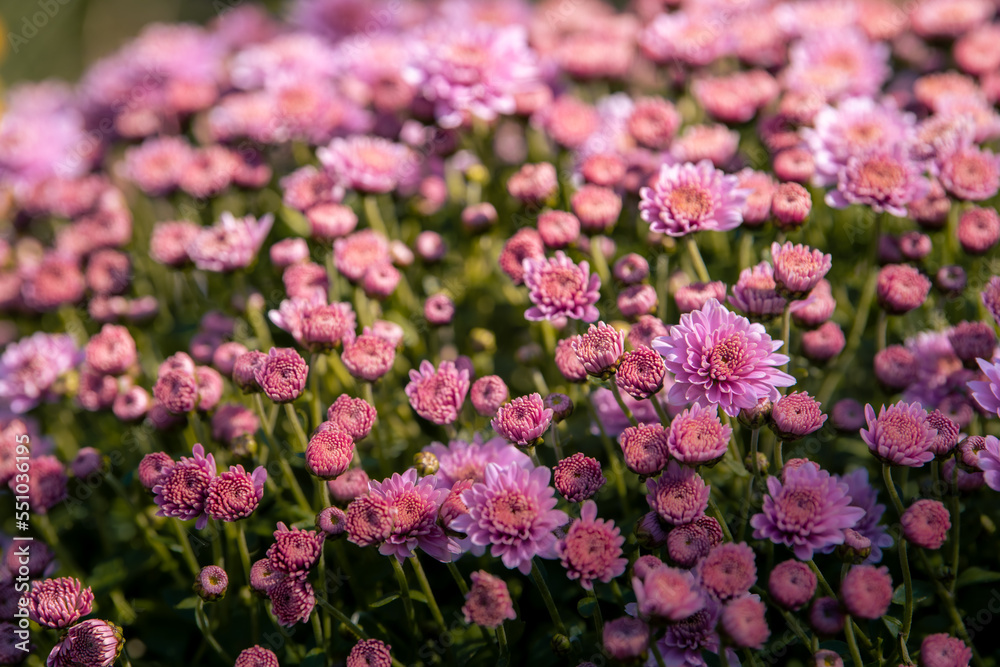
[(976, 575), (922, 590), (893, 624), (314, 658), (586, 607), (418, 596), (188, 603), (384, 601)]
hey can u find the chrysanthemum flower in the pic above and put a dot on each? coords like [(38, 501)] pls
[(592, 548), (900, 435), (313, 323), (836, 63), (744, 623), (513, 511), (488, 601), (667, 594), (524, 244), (256, 656), (153, 467), (792, 584), (943, 650), (971, 173), (58, 603), (796, 415), (93, 642), (183, 489), (719, 358), (679, 495), (798, 268), (688, 198), (560, 288), (687, 544), (211, 583), (645, 448), (807, 511), (354, 254), (230, 244), (282, 376), (488, 393), (30, 367), (438, 394), (235, 494), (901, 288), (578, 477), (600, 349), (329, 453), (987, 392), (756, 292), (369, 520), (567, 362), (989, 462), (728, 571), (414, 505), (826, 616), (370, 653), (626, 638), (366, 163), (926, 523), (368, 357), (866, 591), (294, 550), (292, 600), (354, 416), (697, 436), (640, 373), (468, 460), (696, 295)]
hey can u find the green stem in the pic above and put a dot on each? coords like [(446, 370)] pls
[(404, 592), (550, 604), (374, 215), (695, 254), (556, 444), (660, 412), (598, 618), (202, 621), (459, 579), (289, 474), (721, 517), (613, 457), (296, 426), (317, 626), (621, 403), (656, 651), (502, 643), (786, 333), (186, 549), (425, 586), (956, 519), (343, 618), (852, 643), (904, 563), (244, 551), (754, 436), (846, 359), (600, 262), (779, 461), (881, 329), (315, 403), (948, 599)]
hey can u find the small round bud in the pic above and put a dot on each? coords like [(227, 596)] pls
[(425, 463), (758, 415), (212, 583), (561, 406)]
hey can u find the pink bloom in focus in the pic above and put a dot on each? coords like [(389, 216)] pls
[(183, 489), (578, 477), (697, 437), (592, 548), (523, 421), (688, 198), (235, 494), (719, 358), (414, 504), (756, 292), (560, 288), (282, 376), (438, 394), (513, 511), (900, 435), (368, 357), (679, 495), (798, 268)]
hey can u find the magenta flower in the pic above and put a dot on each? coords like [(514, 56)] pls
[(369, 520), (689, 543), (592, 548), (329, 453), (942, 650), (989, 462), (697, 437), (354, 416), (30, 367), (282, 376), (488, 601), (58, 603), (667, 594), (600, 349), (182, 491), (792, 584), (230, 243), (885, 180), (744, 623), (719, 358), (796, 415), (926, 523), (212, 583), (292, 600), (626, 639), (368, 357), (523, 421), (645, 448), (756, 292), (369, 653), (640, 373), (808, 511), (560, 288), (438, 394), (314, 324), (414, 504), (153, 467), (294, 550), (488, 393), (798, 268), (689, 198), (679, 495), (837, 63), (728, 571), (256, 656), (93, 642), (900, 435), (867, 591), (235, 494), (578, 477), (513, 511), (865, 496), (467, 460), (987, 392), (368, 164)]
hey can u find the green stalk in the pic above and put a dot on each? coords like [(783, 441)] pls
[(550, 604), (598, 619), (613, 458), (852, 643), (202, 621), (502, 642), (660, 412), (343, 618), (656, 652), (786, 332), (404, 592), (779, 461), (948, 599), (186, 549), (425, 586), (695, 254), (600, 263), (374, 215), (904, 563), (956, 517), (556, 444), (621, 403), (721, 517), (459, 579), (881, 330)]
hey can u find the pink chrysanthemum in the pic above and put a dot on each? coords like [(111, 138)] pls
[(719, 358), (667, 594), (798, 268), (438, 394), (756, 292), (640, 373), (592, 548), (989, 462), (900, 435), (488, 393), (533, 183), (971, 173), (353, 255), (901, 288), (697, 436), (370, 653), (369, 520), (488, 601), (256, 656), (836, 63), (313, 323), (368, 164), (560, 288), (689, 543), (414, 505), (183, 489), (728, 571), (282, 376), (792, 584), (58, 603), (578, 477), (943, 650), (866, 591), (973, 341), (229, 244), (292, 600), (294, 550), (169, 242), (688, 198), (112, 351), (883, 180), (514, 511), (467, 461), (626, 639), (235, 494), (524, 244), (679, 495), (645, 448), (991, 298), (808, 511), (212, 583), (329, 452), (153, 467), (796, 415), (523, 421), (926, 523), (368, 357), (600, 349), (93, 642), (744, 623), (30, 367), (696, 295)]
